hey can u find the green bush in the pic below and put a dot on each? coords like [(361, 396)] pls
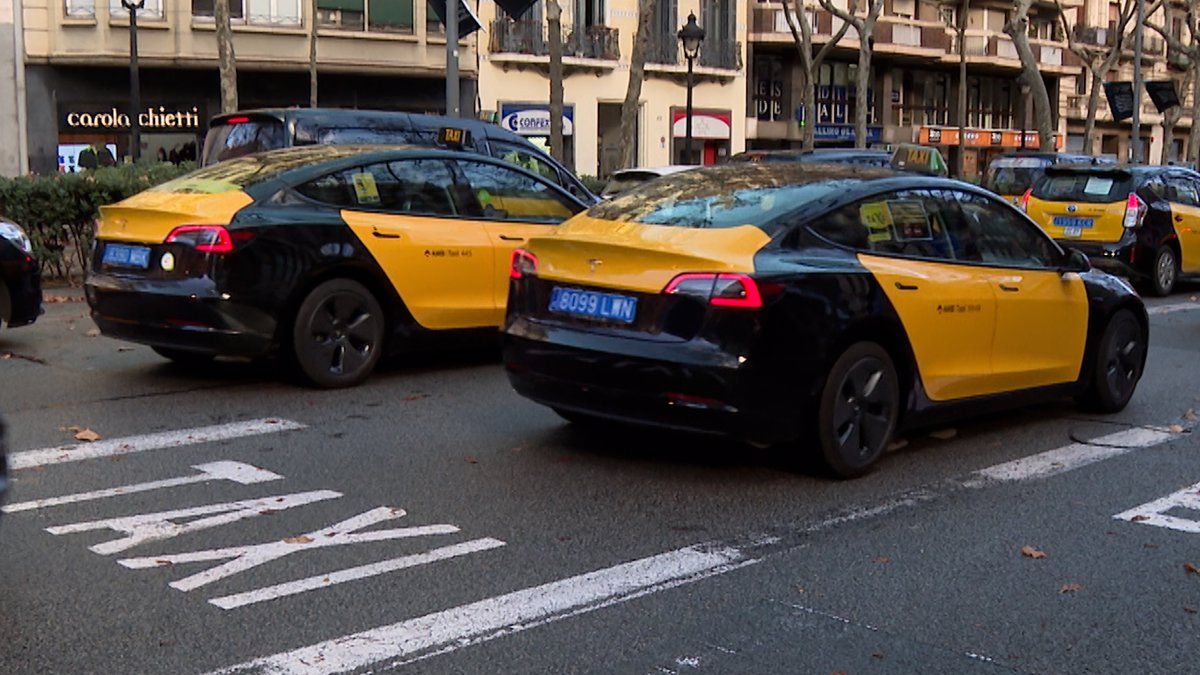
[(593, 183), (59, 210)]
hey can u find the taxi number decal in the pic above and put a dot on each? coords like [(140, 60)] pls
[(878, 220), (364, 188), (448, 253)]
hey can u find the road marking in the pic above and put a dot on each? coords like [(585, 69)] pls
[(237, 472), (1155, 512), (1073, 456), (1171, 308), (459, 627), (242, 558), (355, 573), (157, 441), (150, 527)]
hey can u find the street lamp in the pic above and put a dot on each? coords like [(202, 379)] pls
[(135, 85), (691, 35)]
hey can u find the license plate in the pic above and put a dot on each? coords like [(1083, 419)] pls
[(1074, 222), (120, 255), (593, 305), (1072, 231)]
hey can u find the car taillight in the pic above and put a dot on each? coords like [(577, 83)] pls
[(1024, 203), (236, 120), (204, 238), (523, 263), (719, 290), (1135, 211)]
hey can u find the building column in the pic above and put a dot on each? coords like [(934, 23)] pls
[(14, 152)]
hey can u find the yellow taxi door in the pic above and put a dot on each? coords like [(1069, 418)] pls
[(410, 214), (514, 206), (1041, 313), (1185, 217)]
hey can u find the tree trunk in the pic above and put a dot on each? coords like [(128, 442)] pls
[(1018, 30), (226, 61), (1089, 125), (1194, 134), (312, 59), (633, 91), (863, 83), (960, 163), (554, 21), (809, 132)]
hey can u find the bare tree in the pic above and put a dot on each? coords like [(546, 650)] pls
[(1171, 117), (1018, 29), (1190, 50), (226, 60), (865, 25), (633, 90), (802, 34), (554, 21), (312, 58), (1099, 60)]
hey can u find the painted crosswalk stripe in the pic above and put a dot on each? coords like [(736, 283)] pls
[(504, 614), (156, 441), (1172, 308), (1073, 456)]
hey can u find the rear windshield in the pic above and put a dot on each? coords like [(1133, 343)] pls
[(1013, 180), (364, 136), (226, 141), (724, 197), (242, 172), (1093, 187)]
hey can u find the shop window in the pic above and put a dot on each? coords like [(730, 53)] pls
[(370, 15), (152, 10), (81, 9)]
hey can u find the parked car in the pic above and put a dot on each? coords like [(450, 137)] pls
[(249, 131), (20, 278), (784, 302), (328, 255), (626, 179), (1142, 222), (1012, 174)]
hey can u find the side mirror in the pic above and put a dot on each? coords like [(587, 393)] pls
[(1076, 261)]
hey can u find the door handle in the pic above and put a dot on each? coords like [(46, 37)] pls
[(906, 287), (506, 237), (1009, 289), (1179, 219), (384, 235)]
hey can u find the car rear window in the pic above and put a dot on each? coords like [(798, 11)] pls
[(242, 172), (1014, 175), (226, 141), (724, 197), (1094, 187)]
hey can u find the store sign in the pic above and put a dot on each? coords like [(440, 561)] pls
[(710, 124), (83, 119), (1120, 99), (844, 132), (533, 119), (982, 138), (1162, 94)]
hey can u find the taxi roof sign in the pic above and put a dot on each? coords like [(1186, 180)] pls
[(453, 137), (920, 159)]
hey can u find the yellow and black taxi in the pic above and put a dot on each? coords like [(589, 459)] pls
[(328, 255), (20, 277), (1012, 175), (1137, 221), (799, 302)]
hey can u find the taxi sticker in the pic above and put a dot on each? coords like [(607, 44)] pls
[(910, 220), (365, 188), (878, 219)]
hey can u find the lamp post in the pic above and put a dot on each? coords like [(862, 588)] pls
[(135, 84), (691, 35)]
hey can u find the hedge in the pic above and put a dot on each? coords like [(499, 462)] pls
[(59, 210)]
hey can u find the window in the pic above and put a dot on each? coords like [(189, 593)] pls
[(905, 8), (278, 12), (525, 159), (1182, 190), (433, 24), (152, 10), (371, 15), (911, 223), (1091, 187), (1004, 237), (81, 9), (418, 187), (504, 194), (427, 187), (206, 8)]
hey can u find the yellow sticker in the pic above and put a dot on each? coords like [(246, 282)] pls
[(365, 188), (878, 219)]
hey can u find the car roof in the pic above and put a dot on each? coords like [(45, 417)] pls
[(862, 179)]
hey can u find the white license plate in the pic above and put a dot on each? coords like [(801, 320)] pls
[(1073, 231)]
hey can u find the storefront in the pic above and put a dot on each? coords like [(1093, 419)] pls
[(532, 120), (91, 135), (982, 145), (711, 133)]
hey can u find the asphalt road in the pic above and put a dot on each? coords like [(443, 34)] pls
[(433, 521)]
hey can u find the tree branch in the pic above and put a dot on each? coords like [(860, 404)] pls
[(845, 16)]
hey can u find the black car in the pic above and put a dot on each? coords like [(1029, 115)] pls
[(20, 279), (777, 302)]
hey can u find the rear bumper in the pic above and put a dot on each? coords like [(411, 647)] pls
[(20, 292), (187, 314), (1122, 258)]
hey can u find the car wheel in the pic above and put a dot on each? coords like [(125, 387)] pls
[(1118, 364), (1165, 272), (860, 405), (337, 336), (184, 357)]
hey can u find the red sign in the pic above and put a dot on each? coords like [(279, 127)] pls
[(983, 138), (713, 124)]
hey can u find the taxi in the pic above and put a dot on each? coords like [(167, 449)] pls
[(326, 255), (825, 305), (1012, 174), (1142, 222)]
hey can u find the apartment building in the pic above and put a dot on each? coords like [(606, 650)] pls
[(598, 42), (386, 54)]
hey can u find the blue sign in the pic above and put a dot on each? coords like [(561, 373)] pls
[(533, 119), (845, 132)]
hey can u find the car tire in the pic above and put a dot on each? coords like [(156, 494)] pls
[(337, 335), (860, 405), (1165, 272), (1117, 364), (184, 357)]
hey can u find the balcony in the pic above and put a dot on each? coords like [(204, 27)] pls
[(515, 36)]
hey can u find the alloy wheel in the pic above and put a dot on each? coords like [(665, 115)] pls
[(344, 331), (863, 410)]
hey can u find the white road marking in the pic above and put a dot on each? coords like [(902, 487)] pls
[(1073, 456), (158, 526), (1172, 308), (502, 615), (237, 472), (242, 558), (157, 441), (355, 573), (1155, 512)]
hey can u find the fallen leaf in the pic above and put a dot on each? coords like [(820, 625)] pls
[(1031, 552), (1189, 610), (163, 563), (897, 445), (124, 349), (1190, 568), (877, 655), (95, 332), (1149, 545), (416, 397), (269, 512), (87, 435), (883, 560), (1070, 588), (944, 434), (302, 539), (1191, 415), (1139, 519), (472, 460), (1176, 428)]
